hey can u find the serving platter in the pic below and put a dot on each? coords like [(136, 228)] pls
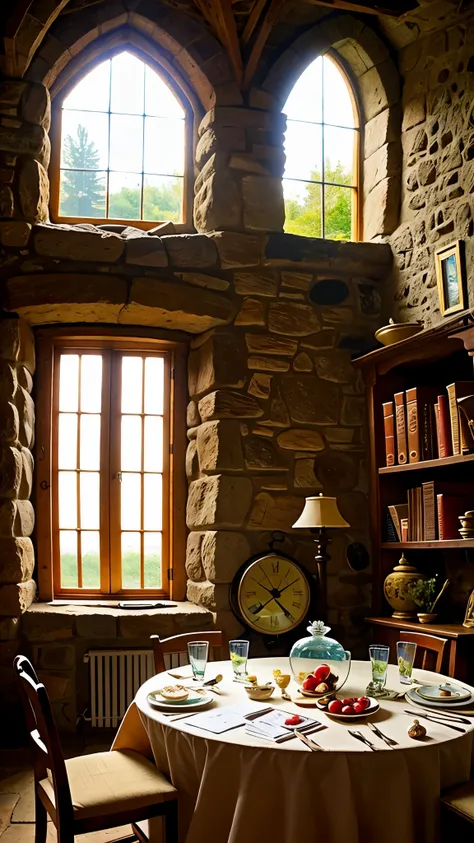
[(348, 718), (433, 693), (197, 699), (412, 695)]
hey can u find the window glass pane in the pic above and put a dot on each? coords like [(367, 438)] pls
[(90, 504), (68, 558), (90, 546), (132, 368), (130, 560), (153, 516), (67, 441), (69, 382), (154, 384), (131, 443), (304, 102), (67, 496), (337, 102), (162, 198), (152, 559), (125, 196), (338, 212), (338, 155), (153, 443), (159, 99), (82, 194), (303, 147), (92, 92), (85, 139), (303, 208), (128, 74), (130, 488), (164, 146), (91, 383), (90, 442), (126, 143)]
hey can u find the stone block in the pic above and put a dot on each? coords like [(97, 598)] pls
[(226, 404), (17, 519), (17, 343), (263, 204), (260, 385), (15, 234), (382, 129), (335, 367), (274, 511), (218, 501), (310, 400), (134, 625), (337, 472), (178, 306), (26, 416), (9, 423), (9, 628), (247, 163), (66, 297), (60, 686), (223, 553), (208, 282), (54, 656), (237, 250), (252, 312), (218, 203), (255, 284), (218, 362), (24, 139), (191, 464), (299, 439), (194, 567), (267, 364), (8, 381), (268, 344), (291, 319), (93, 624), (227, 140), (192, 415), (241, 118), (7, 202), (326, 338), (261, 455), (35, 105), (11, 472), (33, 189), (17, 560), (305, 477), (190, 251), (16, 598), (46, 623), (353, 411), (303, 363), (145, 251), (77, 244), (379, 88), (384, 162), (219, 447), (381, 208)]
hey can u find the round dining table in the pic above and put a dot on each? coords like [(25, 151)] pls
[(237, 788)]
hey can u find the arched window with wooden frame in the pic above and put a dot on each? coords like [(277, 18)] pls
[(122, 146), (322, 145)]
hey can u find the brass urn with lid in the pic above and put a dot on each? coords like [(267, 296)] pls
[(396, 589)]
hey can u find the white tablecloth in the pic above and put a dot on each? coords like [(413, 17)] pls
[(234, 788)]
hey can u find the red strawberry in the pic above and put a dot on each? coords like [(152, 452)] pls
[(348, 709), (294, 720), (335, 706), (310, 683)]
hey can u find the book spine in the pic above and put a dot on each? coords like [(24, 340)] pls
[(427, 449), (444, 438), (404, 529), (429, 512), (413, 424), (453, 414), (450, 507), (396, 521), (400, 424), (389, 430), (437, 423)]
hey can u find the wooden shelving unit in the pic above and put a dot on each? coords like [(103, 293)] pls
[(434, 357)]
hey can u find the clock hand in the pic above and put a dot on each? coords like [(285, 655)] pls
[(261, 584), (285, 611), (266, 575), (257, 607), (287, 586)]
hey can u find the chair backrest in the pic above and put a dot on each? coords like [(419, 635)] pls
[(175, 648), (43, 733), (430, 649)]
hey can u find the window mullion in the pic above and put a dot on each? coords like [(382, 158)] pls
[(105, 474), (114, 473)]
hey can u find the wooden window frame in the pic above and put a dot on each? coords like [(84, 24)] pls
[(49, 342), (56, 136)]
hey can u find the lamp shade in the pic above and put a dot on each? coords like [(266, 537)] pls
[(320, 511)]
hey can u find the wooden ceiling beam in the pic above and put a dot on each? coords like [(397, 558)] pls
[(393, 9), (269, 18), (252, 21), (219, 15)]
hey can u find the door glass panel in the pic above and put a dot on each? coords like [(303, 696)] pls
[(91, 383), (131, 444), (152, 559), (131, 499), (67, 440), (67, 488), (90, 543), (68, 558), (152, 504), (90, 504), (130, 560), (153, 443), (69, 383), (132, 368), (154, 385), (90, 442)]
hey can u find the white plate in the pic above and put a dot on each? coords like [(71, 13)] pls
[(197, 700), (413, 696), (433, 693), (373, 707)]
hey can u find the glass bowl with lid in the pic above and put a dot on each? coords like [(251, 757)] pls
[(319, 664)]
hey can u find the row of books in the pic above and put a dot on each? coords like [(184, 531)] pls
[(431, 513), (421, 425)]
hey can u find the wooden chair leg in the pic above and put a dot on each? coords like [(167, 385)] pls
[(41, 821), (140, 831), (171, 822)]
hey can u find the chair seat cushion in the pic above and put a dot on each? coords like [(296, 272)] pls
[(111, 782), (461, 800)]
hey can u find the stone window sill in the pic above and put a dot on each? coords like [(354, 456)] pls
[(53, 622)]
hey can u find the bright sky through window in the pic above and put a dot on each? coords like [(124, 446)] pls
[(320, 179), (122, 145)]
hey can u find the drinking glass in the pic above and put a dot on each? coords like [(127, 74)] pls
[(405, 657), (379, 654), (198, 652), (239, 653)]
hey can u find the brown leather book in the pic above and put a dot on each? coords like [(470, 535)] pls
[(430, 519), (437, 427), (416, 399), (400, 424), (457, 390), (450, 507), (445, 446), (389, 429)]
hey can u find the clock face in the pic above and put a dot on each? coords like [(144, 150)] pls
[(273, 595)]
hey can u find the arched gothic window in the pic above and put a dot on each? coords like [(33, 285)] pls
[(322, 154), (121, 142)]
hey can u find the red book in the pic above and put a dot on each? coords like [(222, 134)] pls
[(389, 430), (445, 448), (450, 507)]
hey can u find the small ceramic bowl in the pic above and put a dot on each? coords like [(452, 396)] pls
[(396, 331), (259, 692), (427, 617)]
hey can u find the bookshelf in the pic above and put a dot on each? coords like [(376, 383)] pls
[(431, 359)]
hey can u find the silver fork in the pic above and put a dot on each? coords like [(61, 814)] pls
[(360, 737), (389, 741)]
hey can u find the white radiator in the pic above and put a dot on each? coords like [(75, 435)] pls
[(115, 677)]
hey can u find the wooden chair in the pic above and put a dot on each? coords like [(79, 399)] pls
[(428, 646), (175, 649), (91, 792), (457, 813)]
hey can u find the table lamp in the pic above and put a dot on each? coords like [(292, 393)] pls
[(320, 513)]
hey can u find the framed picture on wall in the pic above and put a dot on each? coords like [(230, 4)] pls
[(451, 278)]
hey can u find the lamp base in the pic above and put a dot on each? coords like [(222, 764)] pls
[(322, 558)]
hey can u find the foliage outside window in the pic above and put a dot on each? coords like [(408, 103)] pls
[(321, 145), (122, 146)]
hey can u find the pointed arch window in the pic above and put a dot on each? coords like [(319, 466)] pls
[(321, 175), (121, 147)]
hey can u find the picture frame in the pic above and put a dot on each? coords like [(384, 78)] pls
[(450, 277), (469, 614)]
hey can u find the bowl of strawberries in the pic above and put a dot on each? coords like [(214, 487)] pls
[(319, 664), (350, 708)]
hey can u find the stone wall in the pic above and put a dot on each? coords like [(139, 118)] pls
[(438, 166)]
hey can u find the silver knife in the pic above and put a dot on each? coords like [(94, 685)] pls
[(361, 738)]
